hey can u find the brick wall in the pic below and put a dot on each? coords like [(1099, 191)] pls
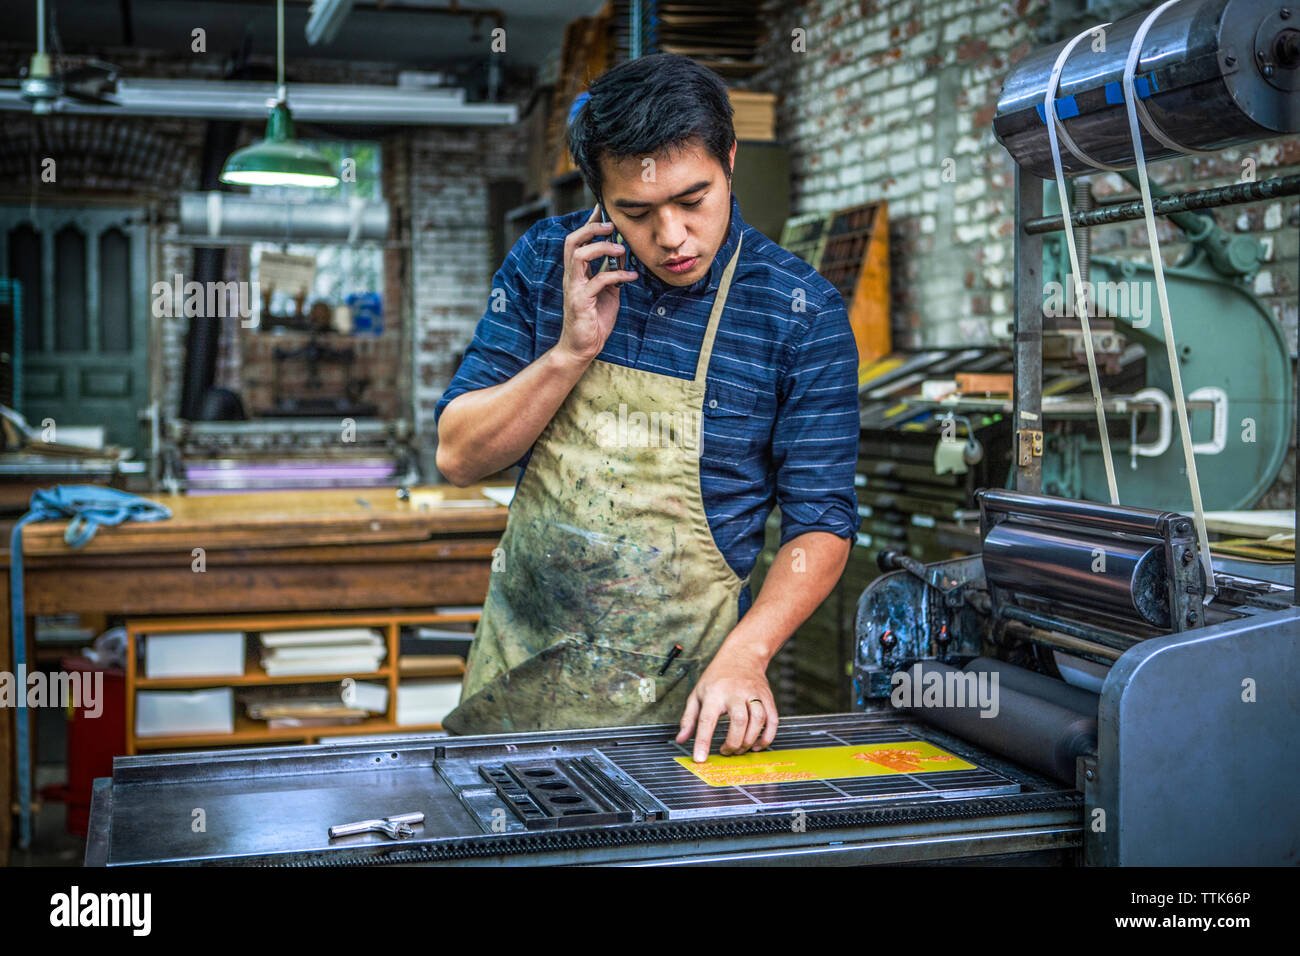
[(887, 91), (451, 271)]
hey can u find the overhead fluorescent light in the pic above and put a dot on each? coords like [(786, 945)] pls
[(312, 103)]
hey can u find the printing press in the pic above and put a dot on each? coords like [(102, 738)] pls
[(1147, 698)]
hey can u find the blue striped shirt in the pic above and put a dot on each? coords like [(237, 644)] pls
[(781, 398)]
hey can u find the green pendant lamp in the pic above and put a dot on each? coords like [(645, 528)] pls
[(278, 160)]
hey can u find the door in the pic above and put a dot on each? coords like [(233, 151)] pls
[(85, 316)]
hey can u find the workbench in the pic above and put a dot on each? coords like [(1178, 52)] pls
[(335, 549)]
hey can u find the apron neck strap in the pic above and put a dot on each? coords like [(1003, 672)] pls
[(719, 300)]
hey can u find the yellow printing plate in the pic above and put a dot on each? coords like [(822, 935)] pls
[(824, 763)]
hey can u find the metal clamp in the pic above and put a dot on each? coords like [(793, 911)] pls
[(1219, 440), (396, 827), (1165, 430)]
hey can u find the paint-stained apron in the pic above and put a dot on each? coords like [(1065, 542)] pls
[(606, 562)]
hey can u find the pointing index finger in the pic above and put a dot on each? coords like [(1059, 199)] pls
[(704, 731)]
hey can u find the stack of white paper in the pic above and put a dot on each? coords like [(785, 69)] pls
[(426, 701), (341, 650), (371, 697)]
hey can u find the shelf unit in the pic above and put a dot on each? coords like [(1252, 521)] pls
[(249, 732)]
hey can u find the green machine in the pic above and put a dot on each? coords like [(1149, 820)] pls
[(1236, 372), (1235, 365)]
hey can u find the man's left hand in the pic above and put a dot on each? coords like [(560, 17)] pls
[(735, 684)]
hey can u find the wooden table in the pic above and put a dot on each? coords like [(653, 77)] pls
[(261, 551)]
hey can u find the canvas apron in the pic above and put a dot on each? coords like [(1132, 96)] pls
[(606, 562)]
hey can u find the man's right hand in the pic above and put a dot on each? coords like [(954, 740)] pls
[(488, 429), (590, 303)]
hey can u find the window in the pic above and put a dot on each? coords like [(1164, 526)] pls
[(341, 269)]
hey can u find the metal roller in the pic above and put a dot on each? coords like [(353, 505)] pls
[(1123, 578), (1092, 514), (1018, 678), (1026, 729), (1212, 74)]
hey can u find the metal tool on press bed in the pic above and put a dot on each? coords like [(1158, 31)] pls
[(399, 826)]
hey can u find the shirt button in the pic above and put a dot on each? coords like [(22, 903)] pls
[(661, 310), (713, 403)]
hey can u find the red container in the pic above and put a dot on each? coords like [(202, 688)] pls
[(93, 742)]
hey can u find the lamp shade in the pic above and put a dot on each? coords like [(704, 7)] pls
[(278, 160)]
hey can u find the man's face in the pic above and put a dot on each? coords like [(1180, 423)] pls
[(671, 209)]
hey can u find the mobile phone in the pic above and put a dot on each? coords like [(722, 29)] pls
[(597, 266)]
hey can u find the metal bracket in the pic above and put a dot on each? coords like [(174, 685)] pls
[(1029, 445), (1095, 835)]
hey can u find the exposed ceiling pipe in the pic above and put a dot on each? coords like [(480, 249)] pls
[(214, 215)]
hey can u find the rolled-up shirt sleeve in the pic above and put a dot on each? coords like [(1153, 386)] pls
[(503, 341), (815, 438)]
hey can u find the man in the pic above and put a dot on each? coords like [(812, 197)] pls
[(658, 409)]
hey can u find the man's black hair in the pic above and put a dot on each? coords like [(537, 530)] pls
[(647, 106)]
